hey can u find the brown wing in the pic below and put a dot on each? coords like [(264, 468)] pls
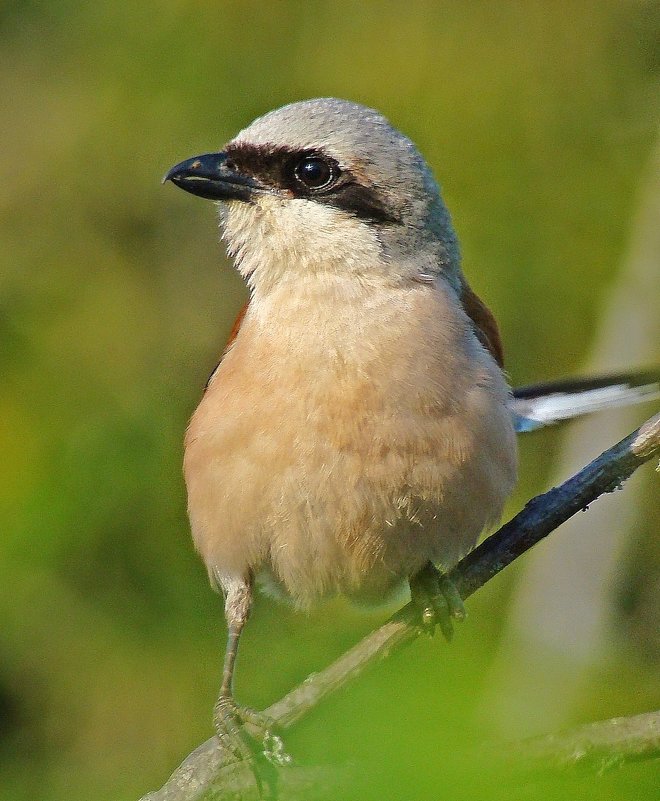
[(485, 325), (236, 327), (232, 336)]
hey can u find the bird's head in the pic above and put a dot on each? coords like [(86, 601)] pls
[(325, 186)]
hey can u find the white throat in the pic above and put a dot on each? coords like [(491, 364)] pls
[(275, 241)]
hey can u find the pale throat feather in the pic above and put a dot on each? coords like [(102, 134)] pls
[(271, 240)]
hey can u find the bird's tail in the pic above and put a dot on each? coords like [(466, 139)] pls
[(541, 405)]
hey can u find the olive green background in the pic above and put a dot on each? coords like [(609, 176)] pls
[(539, 119)]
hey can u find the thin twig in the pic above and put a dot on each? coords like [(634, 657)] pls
[(597, 747)]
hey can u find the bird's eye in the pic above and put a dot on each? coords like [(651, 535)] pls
[(316, 173)]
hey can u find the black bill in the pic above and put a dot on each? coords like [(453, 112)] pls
[(209, 176)]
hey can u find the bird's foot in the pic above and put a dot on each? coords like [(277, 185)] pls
[(248, 734), (438, 600)]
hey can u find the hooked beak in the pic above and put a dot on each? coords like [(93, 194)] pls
[(209, 176)]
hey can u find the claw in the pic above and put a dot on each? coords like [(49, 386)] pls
[(439, 600), (230, 730), (240, 725), (428, 619), (250, 736), (443, 617), (450, 593)]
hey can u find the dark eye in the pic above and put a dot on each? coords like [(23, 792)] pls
[(315, 172)]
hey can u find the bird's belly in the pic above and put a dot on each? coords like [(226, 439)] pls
[(366, 563), (337, 497)]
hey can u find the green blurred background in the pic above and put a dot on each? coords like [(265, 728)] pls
[(539, 119)]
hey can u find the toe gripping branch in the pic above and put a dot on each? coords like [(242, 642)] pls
[(250, 736), (438, 600)]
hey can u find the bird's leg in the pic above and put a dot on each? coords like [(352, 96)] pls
[(438, 599), (244, 732)]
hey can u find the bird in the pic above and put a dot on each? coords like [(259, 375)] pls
[(359, 432)]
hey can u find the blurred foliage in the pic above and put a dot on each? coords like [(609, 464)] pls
[(538, 118)]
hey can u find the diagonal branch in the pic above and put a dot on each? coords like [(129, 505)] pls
[(208, 767)]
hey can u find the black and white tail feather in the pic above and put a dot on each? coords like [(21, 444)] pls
[(540, 405)]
